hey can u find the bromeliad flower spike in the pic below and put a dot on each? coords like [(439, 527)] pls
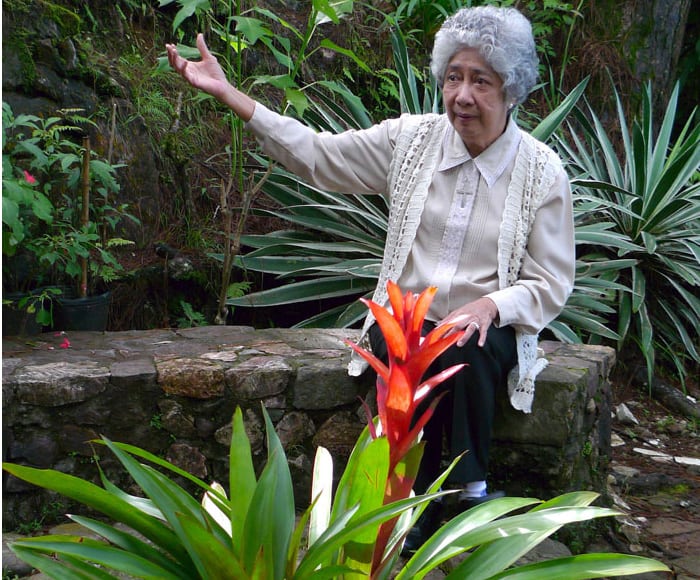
[(399, 386), (401, 389)]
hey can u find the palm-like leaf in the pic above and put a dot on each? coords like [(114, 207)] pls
[(649, 204)]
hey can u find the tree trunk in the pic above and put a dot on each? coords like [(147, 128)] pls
[(653, 32)]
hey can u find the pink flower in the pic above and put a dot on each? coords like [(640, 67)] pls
[(65, 343), (29, 177)]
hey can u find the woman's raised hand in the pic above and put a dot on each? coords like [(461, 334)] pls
[(208, 76)]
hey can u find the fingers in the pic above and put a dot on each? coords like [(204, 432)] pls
[(475, 317), (459, 320), (178, 62), (482, 334), (471, 328), (202, 46), (174, 59), (471, 323)]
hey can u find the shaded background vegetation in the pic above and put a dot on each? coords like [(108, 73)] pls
[(174, 144)]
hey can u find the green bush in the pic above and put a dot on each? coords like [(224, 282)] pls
[(45, 237)]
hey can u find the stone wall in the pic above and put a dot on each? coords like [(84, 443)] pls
[(174, 392)]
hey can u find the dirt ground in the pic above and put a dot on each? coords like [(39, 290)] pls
[(652, 479)]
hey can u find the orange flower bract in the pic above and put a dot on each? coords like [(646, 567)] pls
[(400, 388)]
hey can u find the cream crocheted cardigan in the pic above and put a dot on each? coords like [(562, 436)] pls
[(414, 161)]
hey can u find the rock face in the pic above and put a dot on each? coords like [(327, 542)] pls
[(174, 393), (48, 68)]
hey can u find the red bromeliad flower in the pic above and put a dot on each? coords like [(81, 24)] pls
[(399, 386), (29, 177)]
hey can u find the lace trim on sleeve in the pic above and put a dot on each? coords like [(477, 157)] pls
[(533, 175)]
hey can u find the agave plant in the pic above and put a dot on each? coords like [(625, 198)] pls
[(640, 213), (254, 533)]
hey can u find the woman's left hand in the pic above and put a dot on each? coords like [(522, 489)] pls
[(474, 317)]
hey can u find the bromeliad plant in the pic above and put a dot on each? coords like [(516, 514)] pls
[(400, 390), (357, 533)]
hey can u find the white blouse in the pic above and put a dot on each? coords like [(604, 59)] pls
[(456, 244)]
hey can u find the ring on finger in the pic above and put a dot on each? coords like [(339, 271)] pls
[(475, 324)]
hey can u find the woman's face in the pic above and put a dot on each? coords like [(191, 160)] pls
[(474, 100)]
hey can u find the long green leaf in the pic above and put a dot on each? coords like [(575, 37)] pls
[(494, 557), (585, 566), (159, 461), (452, 539), (270, 520), (93, 496), (218, 561), (129, 543), (331, 287), (408, 89), (171, 499), (365, 487), (460, 525), (342, 316), (66, 569), (551, 122), (242, 480), (98, 553)]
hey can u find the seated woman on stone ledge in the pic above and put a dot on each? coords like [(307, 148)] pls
[(479, 208)]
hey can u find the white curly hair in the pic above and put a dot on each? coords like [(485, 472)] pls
[(503, 37)]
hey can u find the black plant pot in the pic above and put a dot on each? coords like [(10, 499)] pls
[(89, 313)]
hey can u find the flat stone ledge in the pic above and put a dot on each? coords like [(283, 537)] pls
[(174, 392)]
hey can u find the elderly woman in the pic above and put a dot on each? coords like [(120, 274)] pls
[(478, 208)]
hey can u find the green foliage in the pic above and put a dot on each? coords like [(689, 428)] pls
[(38, 303), (23, 205), (423, 18), (156, 421), (237, 289), (639, 213), (409, 82), (260, 27), (45, 147), (190, 317), (151, 97), (62, 253), (237, 32), (42, 201), (253, 533)]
